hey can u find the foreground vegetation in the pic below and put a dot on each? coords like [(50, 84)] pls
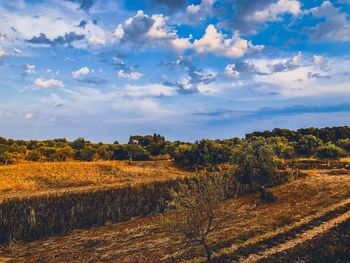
[(253, 227)]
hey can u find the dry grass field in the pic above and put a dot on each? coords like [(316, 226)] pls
[(26, 179), (255, 231)]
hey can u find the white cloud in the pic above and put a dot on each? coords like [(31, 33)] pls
[(196, 13), (274, 11), (47, 83), (231, 71), (218, 87), (321, 63), (80, 73), (97, 40), (29, 69), (2, 53), (54, 21), (17, 51), (129, 74), (144, 30), (29, 115), (317, 76), (152, 90), (219, 44), (334, 26), (118, 32)]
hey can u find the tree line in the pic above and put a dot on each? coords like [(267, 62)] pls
[(323, 143)]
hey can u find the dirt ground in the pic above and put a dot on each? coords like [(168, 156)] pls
[(253, 228)]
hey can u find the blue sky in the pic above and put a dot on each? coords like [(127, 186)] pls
[(108, 69)]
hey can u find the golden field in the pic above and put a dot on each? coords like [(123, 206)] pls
[(25, 179)]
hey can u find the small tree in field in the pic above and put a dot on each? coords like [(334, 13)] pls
[(6, 157), (197, 214)]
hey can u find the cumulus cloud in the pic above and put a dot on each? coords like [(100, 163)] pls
[(83, 75), (250, 16), (220, 44), (67, 38), (287, 65), (239, 13), (96, 40), (129, 74), (321, 63), (274, 11), (334, 27), (315, 76), (80, 73), (197, 13), (248, 67), (144, 30), (54, 26), (194, 76), (125, 71), (41, 83), (231, 71)]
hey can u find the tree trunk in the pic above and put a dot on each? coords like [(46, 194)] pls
[(237, 190), (207, 251)]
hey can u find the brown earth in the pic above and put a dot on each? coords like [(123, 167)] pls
[(254, 228)]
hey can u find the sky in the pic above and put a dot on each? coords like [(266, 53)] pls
[(107, 69)]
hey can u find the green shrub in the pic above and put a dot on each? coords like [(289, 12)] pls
[(255, 163), (329, 151), (33, 156)]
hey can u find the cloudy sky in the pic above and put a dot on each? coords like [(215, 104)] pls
[(106, 69)]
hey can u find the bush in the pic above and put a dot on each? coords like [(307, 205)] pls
[(329, 151), (186, 156), (6, 157), (120, 152), (86, 154), (137, 153), (307, 145), (344, 144), (255, 163), (33, 156)]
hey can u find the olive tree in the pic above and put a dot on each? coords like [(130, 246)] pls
[(196, 213)]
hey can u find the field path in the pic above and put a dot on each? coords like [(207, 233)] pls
[(284, 238), (341, 214)]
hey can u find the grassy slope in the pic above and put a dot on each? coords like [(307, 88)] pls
[(144, 240), (36, 178)]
